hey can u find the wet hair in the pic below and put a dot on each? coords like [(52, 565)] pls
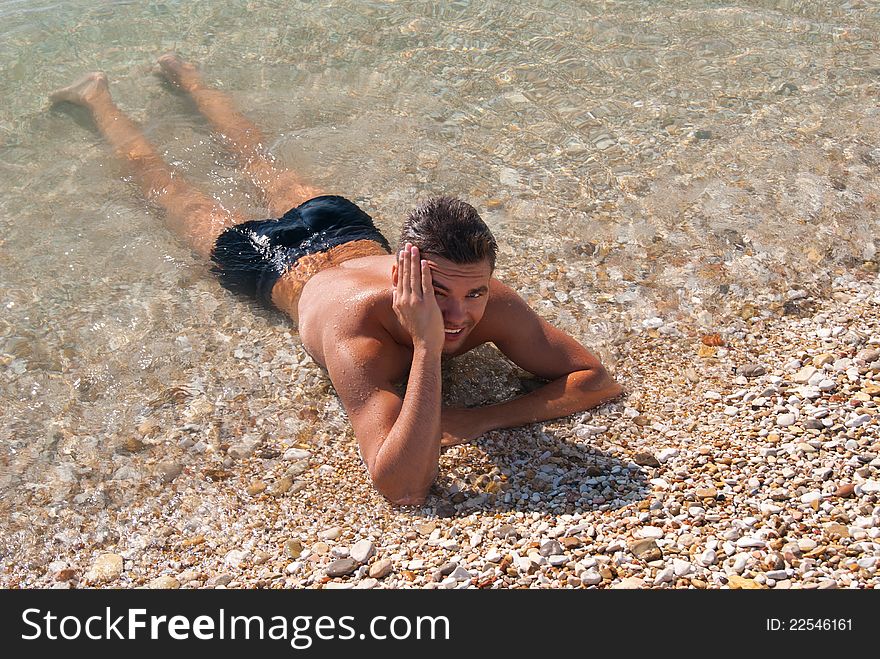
[(450, 228)]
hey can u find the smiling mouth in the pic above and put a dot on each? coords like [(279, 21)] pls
[(453, 332)]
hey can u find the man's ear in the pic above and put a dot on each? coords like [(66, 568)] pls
[(394, 275)]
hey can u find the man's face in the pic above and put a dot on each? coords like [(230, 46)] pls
[(462, 292)]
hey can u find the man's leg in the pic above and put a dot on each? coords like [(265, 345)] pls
[(191, 214), (281, 188)]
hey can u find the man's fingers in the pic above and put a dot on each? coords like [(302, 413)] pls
[(404, 270), (427, 281), (415, 272), (399, 288)]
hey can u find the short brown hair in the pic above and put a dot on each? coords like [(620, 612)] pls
[(450, 228)]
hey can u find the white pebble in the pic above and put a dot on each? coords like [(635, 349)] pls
[(707, 558), (361, 551), (664, 576), (785, 420), (591, 578), (650, 532)]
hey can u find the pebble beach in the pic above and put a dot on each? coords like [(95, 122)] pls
[(744, 458)]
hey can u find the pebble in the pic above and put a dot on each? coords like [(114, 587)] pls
[(591, 577), (803, 376), (169, 470), (494, 556), (707, 558), (293, 548), (551, 548), (330, 534), (646, 550), (296, 454), (630, 583), (858, 420), (164, 583), (460, 574), (106, 567), (667, 575), (807, 544), (646, 460), (381, 568), (666, 454), (362, 550), (751, 370), (342, 567), (650, 532), (784, 420)]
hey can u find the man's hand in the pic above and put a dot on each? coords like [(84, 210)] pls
[(459, 425), (414, 302)]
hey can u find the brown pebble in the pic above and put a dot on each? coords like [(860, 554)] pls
[(646, 460), (570, 542), (280, 487), (193, 541), (132, 445), (341, 567), (293, 548), (646, 550), (256, 488), (65, 575), (845, 491), (381, 568)]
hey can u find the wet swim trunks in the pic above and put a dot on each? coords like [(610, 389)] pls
[(250, 257)]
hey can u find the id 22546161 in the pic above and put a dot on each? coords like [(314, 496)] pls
[(809, 624)]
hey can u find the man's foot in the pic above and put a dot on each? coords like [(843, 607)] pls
[(84, 91), (179, 73)]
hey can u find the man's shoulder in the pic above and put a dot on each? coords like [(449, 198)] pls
[(504, 310), (504, 302)]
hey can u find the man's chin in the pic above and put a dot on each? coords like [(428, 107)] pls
[(452, 344)]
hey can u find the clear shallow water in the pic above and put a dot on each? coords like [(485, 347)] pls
[(688, 161)]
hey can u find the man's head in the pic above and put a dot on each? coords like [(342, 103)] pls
[(461, 251), (449, 228)]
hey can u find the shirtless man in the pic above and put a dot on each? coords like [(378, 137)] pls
[(371, 318)]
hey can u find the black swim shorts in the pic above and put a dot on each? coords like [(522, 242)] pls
[(250, 257)]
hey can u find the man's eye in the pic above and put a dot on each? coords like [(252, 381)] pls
[(475, 295), (439, 293)]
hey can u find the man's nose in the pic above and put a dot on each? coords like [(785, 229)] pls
[(453, 311)]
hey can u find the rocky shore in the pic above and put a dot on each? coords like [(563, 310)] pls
[(739, 458)]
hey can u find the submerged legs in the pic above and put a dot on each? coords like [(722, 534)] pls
[(281, 188), (192, 215)]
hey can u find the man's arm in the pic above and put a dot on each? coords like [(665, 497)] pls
[(578, 381), (399, 439)]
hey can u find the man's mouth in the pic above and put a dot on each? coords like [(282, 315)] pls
[(453, 332)]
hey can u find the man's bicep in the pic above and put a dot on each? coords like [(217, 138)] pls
[(364, 387), (535, 345)]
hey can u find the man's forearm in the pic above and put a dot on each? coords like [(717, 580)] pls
[(406, 463), (575, 392)]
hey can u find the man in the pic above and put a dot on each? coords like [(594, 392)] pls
[(372, 319)]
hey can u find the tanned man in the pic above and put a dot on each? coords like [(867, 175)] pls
[(371, 318)]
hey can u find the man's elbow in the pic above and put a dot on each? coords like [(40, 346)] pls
[(401, 494), (400, 497), (598, 384)]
